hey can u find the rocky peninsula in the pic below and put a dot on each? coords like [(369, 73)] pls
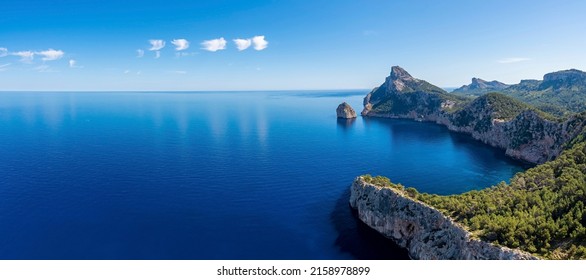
[(524, 132), (423, 230), (540, 212)]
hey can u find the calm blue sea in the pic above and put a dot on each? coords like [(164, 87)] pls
[(211, 175)]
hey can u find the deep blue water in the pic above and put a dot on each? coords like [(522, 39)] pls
[(228, 175)]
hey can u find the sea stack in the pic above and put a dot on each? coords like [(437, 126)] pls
[(345, 111)]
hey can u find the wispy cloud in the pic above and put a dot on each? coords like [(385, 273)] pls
[(73, 64), (259, 43), (128, 72), (242, 44), (513, 60), (156, 45), (45, 69), (25, 56), (51, 54), (179, 72), (182, 54), (3, 67), (139, 53), (3, 52), (180, 44), (214, 45)]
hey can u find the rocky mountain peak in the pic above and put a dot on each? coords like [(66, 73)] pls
[(401, 81), (478, 81), (567, 80), (479, 86), (565, 75), (398, 73)]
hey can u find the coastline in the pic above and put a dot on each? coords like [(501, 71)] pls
[(423, 230)]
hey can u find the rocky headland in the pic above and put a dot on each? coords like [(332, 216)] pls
[(541, 211), (524, 132), (423, 230)]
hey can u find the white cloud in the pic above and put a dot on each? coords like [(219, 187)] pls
[(156, 45), (127, 71), (259, 43), (214, 45), (182, 54), (44, 69), (25, 56), (157, 54), (180, 44), (51, 54), (73, 64), (3, 52), (242, 44), (3, 67), (513, 60), (139, 53)]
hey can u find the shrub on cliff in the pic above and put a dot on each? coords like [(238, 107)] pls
[(541, 211)]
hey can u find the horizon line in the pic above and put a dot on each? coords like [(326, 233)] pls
[(246, 90)]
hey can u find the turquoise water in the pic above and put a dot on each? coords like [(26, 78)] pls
[(211, 175)]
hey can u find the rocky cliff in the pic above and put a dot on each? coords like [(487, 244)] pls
[(495, 119), (424, 231)]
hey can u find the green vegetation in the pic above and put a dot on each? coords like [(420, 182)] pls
[(542, 210), (560, 93), (382, 182), (559, 103), (504, 107), (421, 102)]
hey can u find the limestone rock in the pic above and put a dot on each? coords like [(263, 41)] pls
[(345, 111), (493, 118), (423, 230)]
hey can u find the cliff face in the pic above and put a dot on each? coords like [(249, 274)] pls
[(424, 231), (494, 119)]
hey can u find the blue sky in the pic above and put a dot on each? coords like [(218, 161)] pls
[(93, 45)]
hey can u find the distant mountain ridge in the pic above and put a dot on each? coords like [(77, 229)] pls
[(560, 93), (479, 86)]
